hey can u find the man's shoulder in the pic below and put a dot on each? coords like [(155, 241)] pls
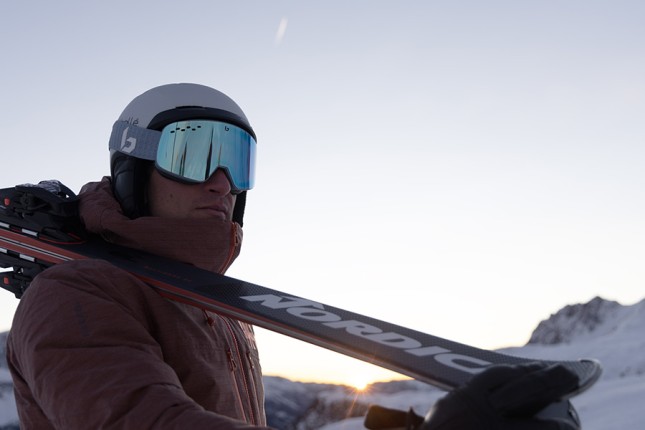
[(80, 270), (81, 277), (95, 286)]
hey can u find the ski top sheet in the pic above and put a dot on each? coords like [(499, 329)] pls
[(434, 360), (428, 358)]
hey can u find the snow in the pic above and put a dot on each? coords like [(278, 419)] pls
[(600, 329)]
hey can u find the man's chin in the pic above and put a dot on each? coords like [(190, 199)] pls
[(208, 213)]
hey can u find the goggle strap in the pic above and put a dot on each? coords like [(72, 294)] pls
[(135, 141)]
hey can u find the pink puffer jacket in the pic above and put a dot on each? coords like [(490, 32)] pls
[(92, 347)]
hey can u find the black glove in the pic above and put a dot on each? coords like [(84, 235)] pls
[(508, 398)]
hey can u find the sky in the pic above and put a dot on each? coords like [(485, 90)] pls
[(463, 168)]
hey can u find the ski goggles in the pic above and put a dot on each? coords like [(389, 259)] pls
[(191, 151)]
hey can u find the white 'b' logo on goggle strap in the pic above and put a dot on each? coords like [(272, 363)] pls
[(127, 143)]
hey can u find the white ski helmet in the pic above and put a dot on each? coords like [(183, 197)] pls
[(133, 147)]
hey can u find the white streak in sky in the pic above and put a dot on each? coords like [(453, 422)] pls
[(282, 28)]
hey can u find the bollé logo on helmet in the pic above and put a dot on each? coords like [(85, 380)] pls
[(127, 143), (313, 311)]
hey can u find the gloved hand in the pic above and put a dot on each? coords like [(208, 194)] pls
[(508, 398)]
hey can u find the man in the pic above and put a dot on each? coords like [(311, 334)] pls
[(92, 347)]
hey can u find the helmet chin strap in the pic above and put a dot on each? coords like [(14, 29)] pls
[(238, 210)]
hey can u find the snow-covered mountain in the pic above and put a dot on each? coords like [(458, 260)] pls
[(601, 329), (575, 322)]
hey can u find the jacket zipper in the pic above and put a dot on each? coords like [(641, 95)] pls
[(233, 367), (245, 377)]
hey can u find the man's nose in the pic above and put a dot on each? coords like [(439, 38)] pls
[(218, 183)]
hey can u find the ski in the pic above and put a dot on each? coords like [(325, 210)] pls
[(32, 240)]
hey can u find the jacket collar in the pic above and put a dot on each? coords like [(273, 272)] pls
[(206, 243)]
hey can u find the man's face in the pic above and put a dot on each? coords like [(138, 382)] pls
[(172, 199)]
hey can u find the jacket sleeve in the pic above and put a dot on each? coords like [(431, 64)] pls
[(83, 355)]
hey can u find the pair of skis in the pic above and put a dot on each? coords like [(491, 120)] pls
[(37, 230)]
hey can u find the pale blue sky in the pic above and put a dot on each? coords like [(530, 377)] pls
[(465, 168)]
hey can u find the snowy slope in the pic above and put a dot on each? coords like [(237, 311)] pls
[(615, 335), (601, 329)]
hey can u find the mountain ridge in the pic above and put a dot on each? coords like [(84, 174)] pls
[(576, 321)]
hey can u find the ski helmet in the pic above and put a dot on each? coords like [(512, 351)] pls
[(133, 146)]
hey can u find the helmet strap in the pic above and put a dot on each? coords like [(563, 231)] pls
[(238, 210)]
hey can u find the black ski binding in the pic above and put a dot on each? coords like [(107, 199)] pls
[(49, 211)]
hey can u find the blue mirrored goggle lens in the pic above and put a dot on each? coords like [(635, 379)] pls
[(193, 150)]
